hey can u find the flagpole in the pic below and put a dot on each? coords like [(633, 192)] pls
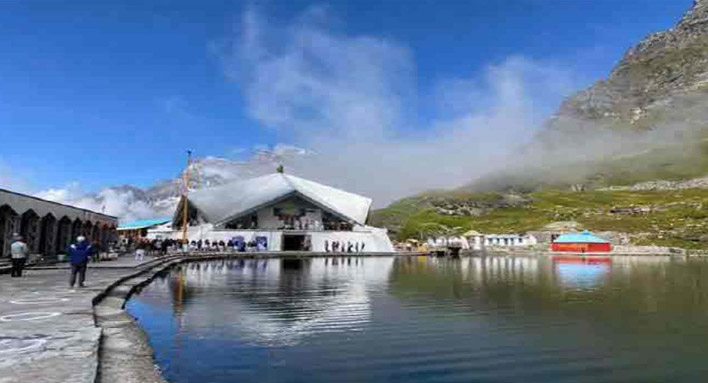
[(185, 194)]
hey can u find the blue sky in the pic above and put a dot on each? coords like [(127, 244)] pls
[(104, 93)]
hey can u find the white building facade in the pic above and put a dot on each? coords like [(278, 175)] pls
[(481, 241), (282, 213)]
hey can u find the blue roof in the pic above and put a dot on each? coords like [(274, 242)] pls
[(584, 237), (143, 224)]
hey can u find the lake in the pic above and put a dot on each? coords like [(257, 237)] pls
[(423, 319)]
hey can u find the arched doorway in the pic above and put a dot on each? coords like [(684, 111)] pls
[(96, 233), (8, 226), (47, 233), (105, 236), (63, 237), (76, 227), (87, 230), (29, 230)]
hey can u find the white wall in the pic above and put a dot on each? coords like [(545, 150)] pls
[(452, 241), (503, 240), (376, 239)]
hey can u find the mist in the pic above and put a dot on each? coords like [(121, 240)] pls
[(355, 102), (351, 112)]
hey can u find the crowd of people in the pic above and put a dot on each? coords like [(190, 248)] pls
[(83, 251), (160, 247), (342, 247)]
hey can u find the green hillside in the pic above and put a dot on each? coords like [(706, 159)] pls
[(664, 218)]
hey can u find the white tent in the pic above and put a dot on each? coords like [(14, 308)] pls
[(219, 205)]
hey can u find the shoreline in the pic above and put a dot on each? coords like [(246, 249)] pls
[(115, 343), (131, 358)]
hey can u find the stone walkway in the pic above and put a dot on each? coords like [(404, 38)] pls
[(47, 331)]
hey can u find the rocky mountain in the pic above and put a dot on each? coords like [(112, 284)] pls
[(652, 76), (627, 155), (646, 121), (159, 200)]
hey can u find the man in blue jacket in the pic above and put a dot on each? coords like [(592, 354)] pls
[(79, 255)]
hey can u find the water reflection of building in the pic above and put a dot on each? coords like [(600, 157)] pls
[(582, 272), (275, 301)]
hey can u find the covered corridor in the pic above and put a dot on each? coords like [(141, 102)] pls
[(49, 227)]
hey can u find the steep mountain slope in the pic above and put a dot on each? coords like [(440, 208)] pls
[(648, 120), (647, 217), (651, 76), (645, 128)]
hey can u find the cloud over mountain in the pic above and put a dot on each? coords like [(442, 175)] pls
[(354, 100), (350, 112)]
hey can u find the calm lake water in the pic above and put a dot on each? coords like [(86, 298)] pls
[(395, 319)]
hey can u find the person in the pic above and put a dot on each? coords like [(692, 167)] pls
[(96, 254), (163, 247), (18, 252), (79, 254), (140, 251), (307, 244)]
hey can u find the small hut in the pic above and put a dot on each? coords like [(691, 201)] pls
[(585, 242)]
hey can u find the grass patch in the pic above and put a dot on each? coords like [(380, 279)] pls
[(672, 218)]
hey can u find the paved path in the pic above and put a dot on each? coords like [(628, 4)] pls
[(47, 331)]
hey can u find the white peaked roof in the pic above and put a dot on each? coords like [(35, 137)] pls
[(225, 202)]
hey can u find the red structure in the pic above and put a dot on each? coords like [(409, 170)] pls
[(584, 242)]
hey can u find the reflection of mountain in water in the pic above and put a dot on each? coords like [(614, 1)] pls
[(273, 302)]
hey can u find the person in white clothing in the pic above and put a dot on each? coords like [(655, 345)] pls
[(18, 251)]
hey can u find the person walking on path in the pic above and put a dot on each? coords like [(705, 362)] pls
[(18, 252), (79, 255)]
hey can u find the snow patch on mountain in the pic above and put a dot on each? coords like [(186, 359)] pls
[(131, 203)]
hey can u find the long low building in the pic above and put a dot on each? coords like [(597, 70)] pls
[(280, 212), (139, 229), (49, 227)]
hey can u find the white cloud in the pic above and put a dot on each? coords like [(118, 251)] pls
[(303, 78), (124, 203), (353, 101), (12, 178), (71, 191)]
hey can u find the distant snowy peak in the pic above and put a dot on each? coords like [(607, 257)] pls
[(214, 171), (130, 203)]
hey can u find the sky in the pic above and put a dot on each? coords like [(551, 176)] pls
[(101, 93)]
